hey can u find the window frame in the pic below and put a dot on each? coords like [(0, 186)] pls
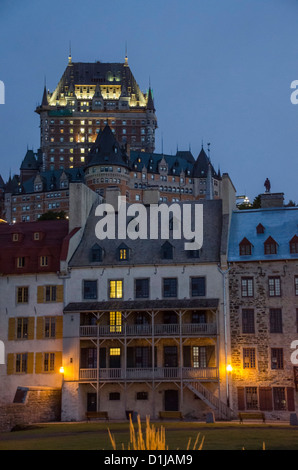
[(274, 286), (145, 293), (249, 353), (93, 291), (246, 288), (275, 320), (22, 294), (200, 288), (175, 291), (116, 281), (248, 320)]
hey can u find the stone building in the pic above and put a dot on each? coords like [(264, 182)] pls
[(263, 289), (145, 322), (109, 165), (31, 318)]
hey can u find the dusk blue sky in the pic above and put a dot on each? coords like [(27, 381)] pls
[(220, 71)]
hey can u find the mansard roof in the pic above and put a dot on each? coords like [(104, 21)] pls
[(280, 225), (176, 163), (51, 179), (102, 73), (26, 245), (147, 251)]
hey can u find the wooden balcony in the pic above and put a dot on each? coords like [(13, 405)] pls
[(187, 329), (148, 374)]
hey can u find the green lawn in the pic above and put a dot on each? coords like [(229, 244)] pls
[(94, 436)]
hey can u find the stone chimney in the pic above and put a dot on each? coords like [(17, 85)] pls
[(272, 200)]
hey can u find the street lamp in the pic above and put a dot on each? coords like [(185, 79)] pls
[(229, 370)]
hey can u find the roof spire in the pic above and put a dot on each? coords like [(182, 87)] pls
[(69, 55), (208, 150), (126, 59)]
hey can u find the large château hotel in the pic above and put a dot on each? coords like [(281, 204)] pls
[(98, 127), (87, 97)]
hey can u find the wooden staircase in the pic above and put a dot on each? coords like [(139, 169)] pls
[(223, 411)]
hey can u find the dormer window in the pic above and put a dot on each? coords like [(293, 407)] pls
[(294, 245), (36, 236), (260, 229), (43, 261), (270, 246), (15, 237), (167, 251), (123, 253), (21, 261), (96, 253), (245, 247)]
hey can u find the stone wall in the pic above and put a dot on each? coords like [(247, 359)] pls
[(263, 376), (40, 405)]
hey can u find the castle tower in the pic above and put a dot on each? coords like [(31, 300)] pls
[(87, 97)]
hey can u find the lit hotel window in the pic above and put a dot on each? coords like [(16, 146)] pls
[(116, 291)]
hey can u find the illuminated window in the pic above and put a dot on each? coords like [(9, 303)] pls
[(82, 150), (115, 322), (249, 358), (114, 351), (82, 159), (116, 291), (82, 123)]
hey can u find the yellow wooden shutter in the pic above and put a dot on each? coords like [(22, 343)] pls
[(10, 363), (40, 294), (39, 328), (58, 361), (11, 329), (59, 327), (30, 359), (31, 321), (59, 292), (38, 363)]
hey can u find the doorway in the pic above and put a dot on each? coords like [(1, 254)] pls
[(171, 400), (91, 402)]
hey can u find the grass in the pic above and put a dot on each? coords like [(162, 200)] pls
[(95, 436)]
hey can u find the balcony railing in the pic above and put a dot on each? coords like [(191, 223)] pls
[(144, 373), (172, 329)]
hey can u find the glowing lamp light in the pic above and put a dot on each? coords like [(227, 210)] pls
[(229, 368), (61, 370)]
